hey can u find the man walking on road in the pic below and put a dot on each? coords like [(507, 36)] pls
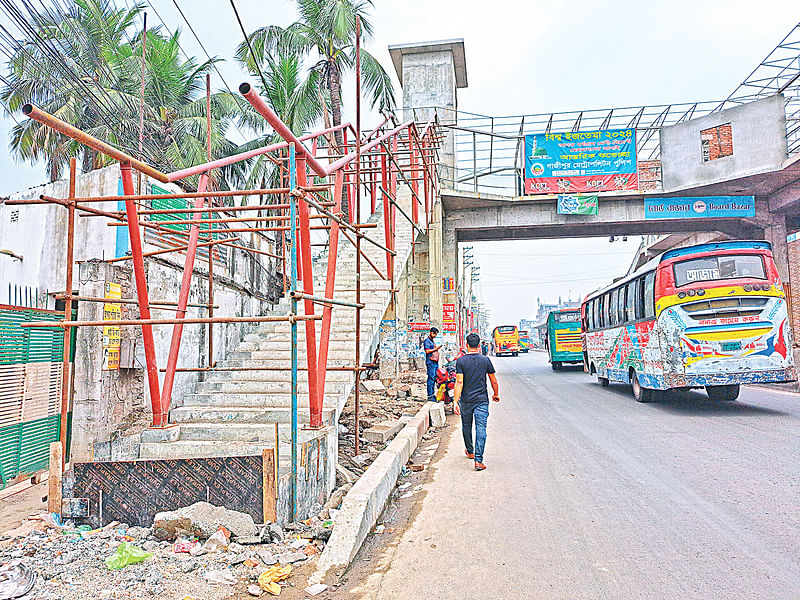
[(471, 399), (431, 361)]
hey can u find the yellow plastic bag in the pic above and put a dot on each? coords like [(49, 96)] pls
[(440, 393), (269, 579)]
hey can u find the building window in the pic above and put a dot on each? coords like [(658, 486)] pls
[(716, 142)]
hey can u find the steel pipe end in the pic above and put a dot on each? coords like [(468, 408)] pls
[(27, 109), (244, 88)]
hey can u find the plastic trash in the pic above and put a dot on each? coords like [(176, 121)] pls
[(269, 579), (15, 580), (220, 577), (182, 545), (126, 554), (218, 541)]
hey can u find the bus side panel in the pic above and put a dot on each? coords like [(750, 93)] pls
[(615, 351), (567, 346)]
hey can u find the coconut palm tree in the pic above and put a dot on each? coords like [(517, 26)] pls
[(326, 28), (83, 65)]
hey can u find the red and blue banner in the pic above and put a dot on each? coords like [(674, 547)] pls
[(581, 161)]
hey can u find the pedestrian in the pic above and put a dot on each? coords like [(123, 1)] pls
[(431, 361), (484, 348), (471, 398)]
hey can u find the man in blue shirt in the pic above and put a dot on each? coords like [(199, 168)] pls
[(431, 361), (471, 398)]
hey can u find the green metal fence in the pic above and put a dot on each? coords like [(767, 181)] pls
[(30, 391)]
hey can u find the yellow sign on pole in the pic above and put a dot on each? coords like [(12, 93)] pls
[(112, 311)]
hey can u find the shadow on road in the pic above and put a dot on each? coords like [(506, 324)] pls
[(694, 403)]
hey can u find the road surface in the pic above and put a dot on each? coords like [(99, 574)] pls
[(590, 495)]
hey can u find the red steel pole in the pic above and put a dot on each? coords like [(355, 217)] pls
[(414, 182), (141, 292), (315, 397), (330, 282)]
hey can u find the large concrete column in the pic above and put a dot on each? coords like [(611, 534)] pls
[(430, 74)]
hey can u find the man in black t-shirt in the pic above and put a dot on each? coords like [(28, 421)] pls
[(471, 399)]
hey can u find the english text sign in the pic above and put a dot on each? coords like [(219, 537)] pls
[(699, 207)]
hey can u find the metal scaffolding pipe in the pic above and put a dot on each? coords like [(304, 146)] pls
[(29, 110), (188, 321), (322, 300)]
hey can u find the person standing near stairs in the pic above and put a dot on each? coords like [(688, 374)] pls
[(431, 361)]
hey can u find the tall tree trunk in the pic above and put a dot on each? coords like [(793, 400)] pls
[(334, 86)]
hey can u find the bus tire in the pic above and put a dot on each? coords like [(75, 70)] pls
[(641, 394), (723, 393), (555, 365), (603, 381)]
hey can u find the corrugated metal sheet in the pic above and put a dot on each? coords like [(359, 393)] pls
[(30, 390)]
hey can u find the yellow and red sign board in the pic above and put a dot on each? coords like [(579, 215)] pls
[(112, 311)]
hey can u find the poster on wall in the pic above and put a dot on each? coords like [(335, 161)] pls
[(580, 161), (449, 317), (112, 311)]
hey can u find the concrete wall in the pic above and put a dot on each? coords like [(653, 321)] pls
[(316, 476), (759, 144)]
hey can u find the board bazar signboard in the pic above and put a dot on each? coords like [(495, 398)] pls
[(699, 207), (581, 161)]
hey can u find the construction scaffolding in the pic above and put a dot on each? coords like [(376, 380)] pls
[(314, 191)]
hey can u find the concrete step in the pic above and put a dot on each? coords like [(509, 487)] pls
[(242, 414), (238, 432), (284, 376), (263, 387), (209, 449)]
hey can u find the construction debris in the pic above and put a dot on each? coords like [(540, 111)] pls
[(56, 560)]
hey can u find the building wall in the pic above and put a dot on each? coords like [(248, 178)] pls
[(759, 144)]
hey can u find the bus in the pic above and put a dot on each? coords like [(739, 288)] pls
[(563, 338), (505, 340), (710, 316), (524, 341)]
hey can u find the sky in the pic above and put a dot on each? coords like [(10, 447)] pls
[(526, 56)]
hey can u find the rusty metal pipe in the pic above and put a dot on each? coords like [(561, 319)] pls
[(29, 110), (190, 321)]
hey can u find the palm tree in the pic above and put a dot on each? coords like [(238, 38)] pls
[(327, 27), (83, 65)]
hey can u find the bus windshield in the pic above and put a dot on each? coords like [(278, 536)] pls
[(506, 329), (710, 268), (566, 317)]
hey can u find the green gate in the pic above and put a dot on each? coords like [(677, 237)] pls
[(30, 391)]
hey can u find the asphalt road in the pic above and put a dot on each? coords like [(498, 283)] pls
[(590, 495)]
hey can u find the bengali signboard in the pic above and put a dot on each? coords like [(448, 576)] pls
[(419, 326), (112, 311), (707, 207), (577, 204), (449, 317), (580, 161)]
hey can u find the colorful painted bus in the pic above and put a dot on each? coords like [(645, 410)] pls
[(524, 341), (710, 316), (563, 338), (505, 340)]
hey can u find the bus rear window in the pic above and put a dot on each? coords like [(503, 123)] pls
[(712, 268), (567, 317), (506, 329)]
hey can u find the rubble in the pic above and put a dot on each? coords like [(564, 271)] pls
[(65, 562), (405, 396)]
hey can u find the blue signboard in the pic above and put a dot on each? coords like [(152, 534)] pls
[(699, 207), (580, 161)]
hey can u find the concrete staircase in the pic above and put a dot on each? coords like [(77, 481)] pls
[(238, 412)]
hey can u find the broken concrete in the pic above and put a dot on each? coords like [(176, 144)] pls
[(383, 431), (436, 410), (201, 520)]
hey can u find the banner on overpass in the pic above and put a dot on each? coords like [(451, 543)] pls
[(581, 161), (707, 207), (577, 204)]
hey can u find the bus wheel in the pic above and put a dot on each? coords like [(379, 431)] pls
[(641, 394), (515, 354), (723, 393), (603, 381), (555, 365)]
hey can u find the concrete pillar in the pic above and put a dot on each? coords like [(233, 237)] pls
[(430, 74), (775, 234)]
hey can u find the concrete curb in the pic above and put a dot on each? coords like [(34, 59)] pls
[(364, 503)]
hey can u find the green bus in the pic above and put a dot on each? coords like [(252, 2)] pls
[(563, 339)]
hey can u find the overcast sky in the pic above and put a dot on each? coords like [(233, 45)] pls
[(529, 56)]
